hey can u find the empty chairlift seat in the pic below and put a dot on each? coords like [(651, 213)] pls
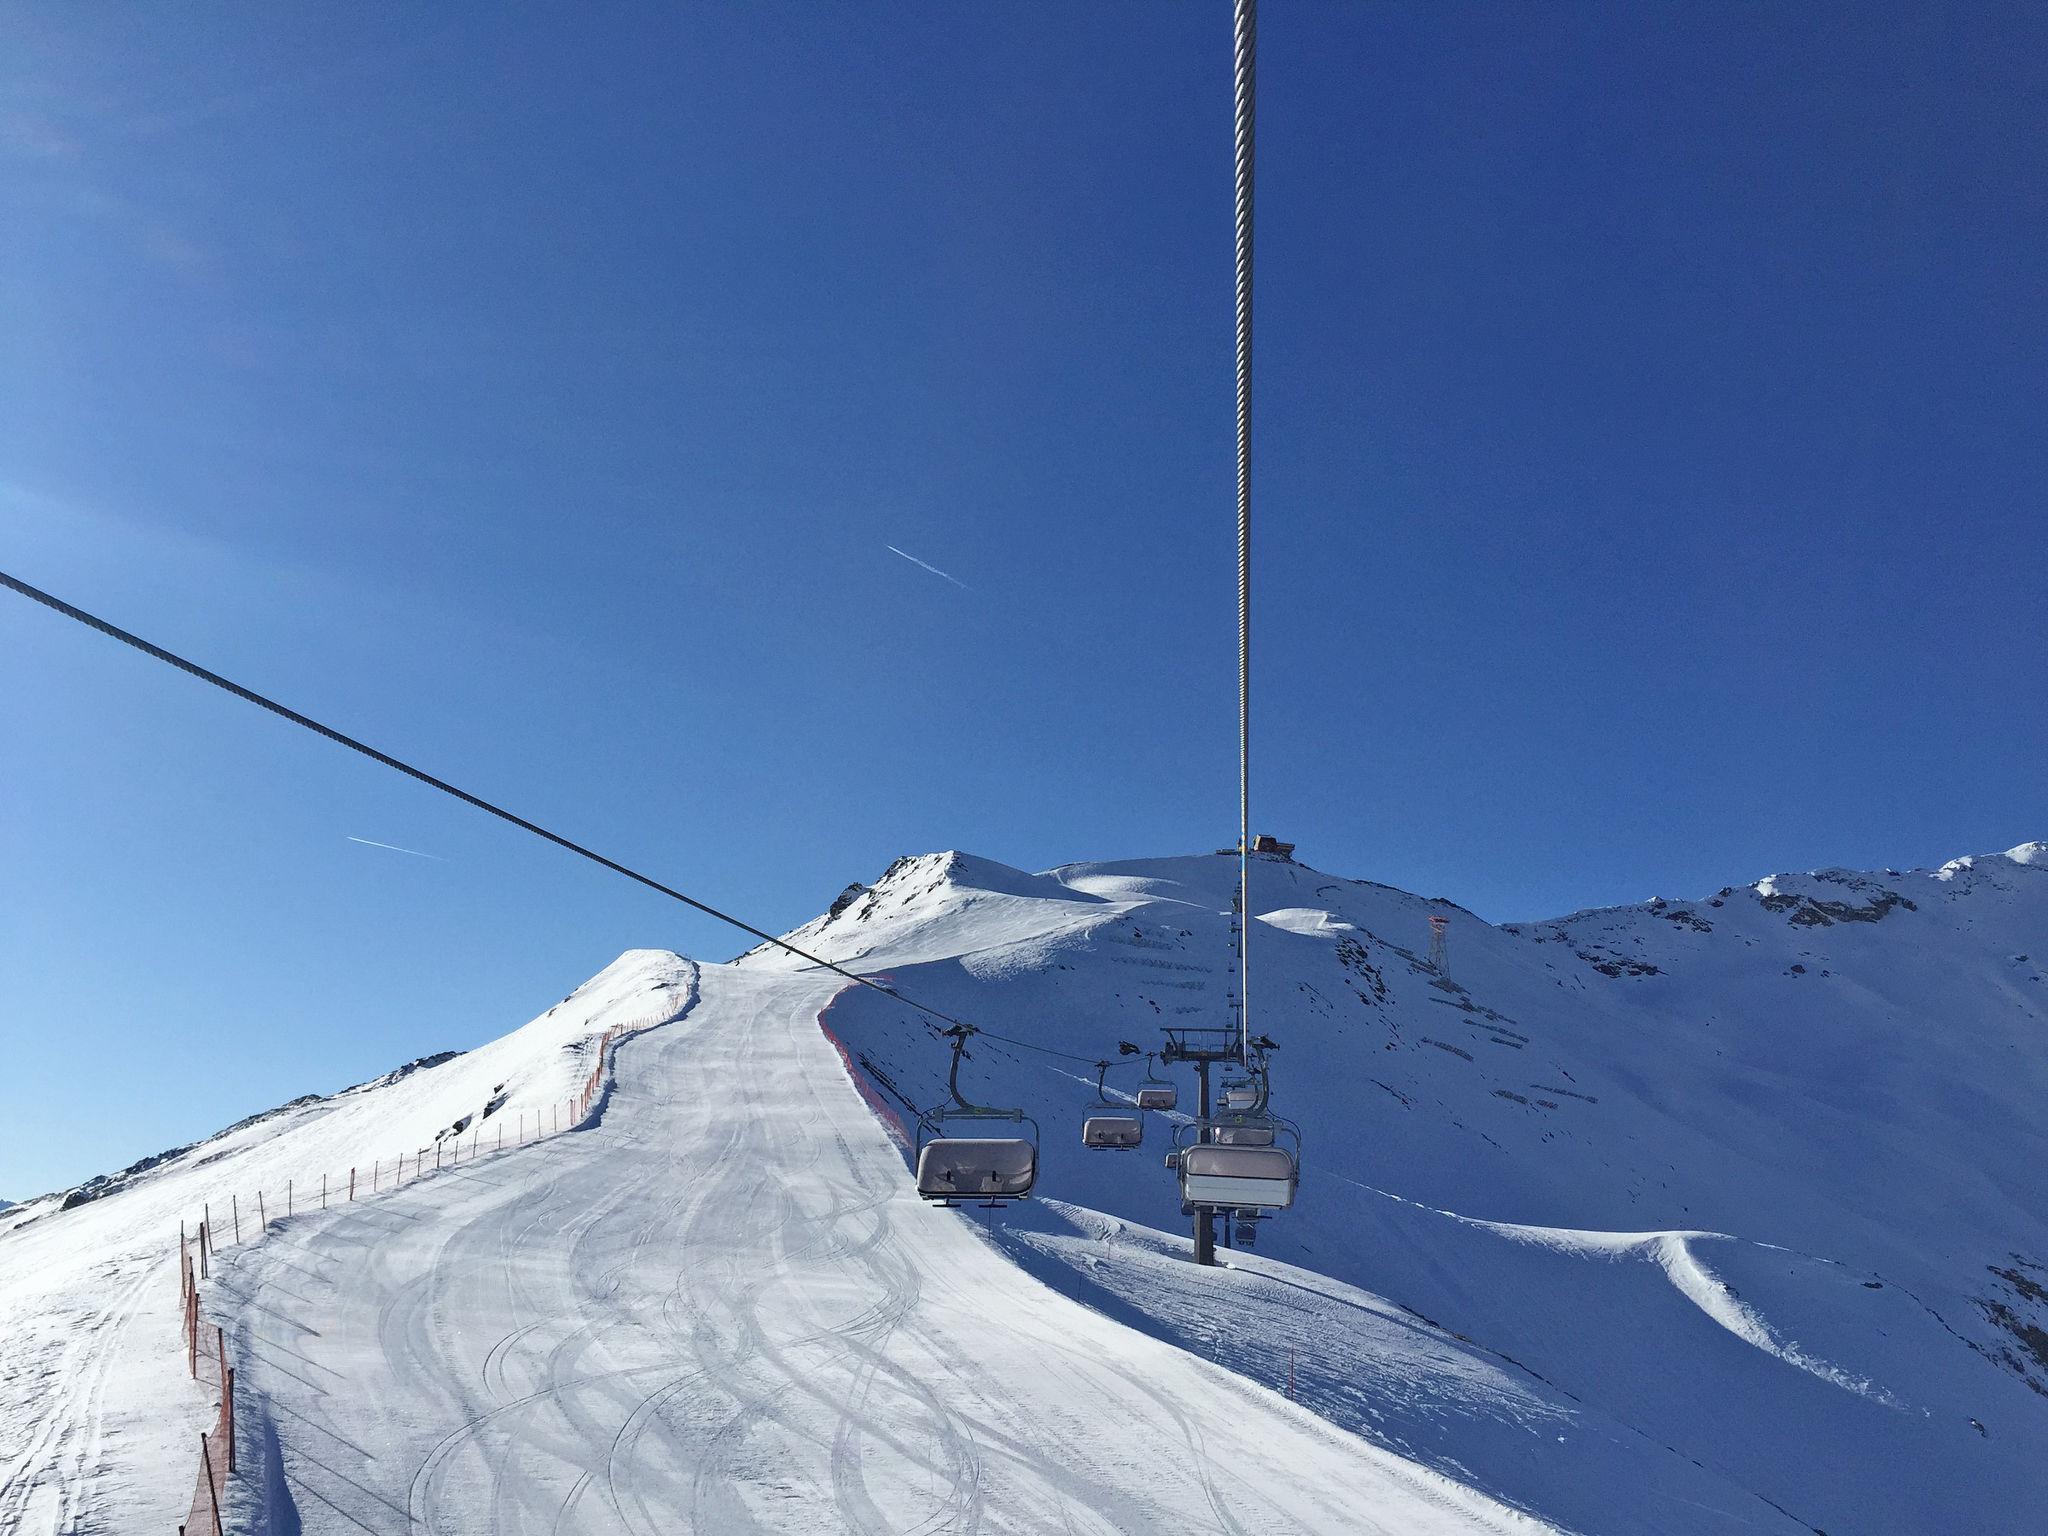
[(1158, 1098), (977, 1168), (1244, 1135), (1239, 1177), (1112, 1132)]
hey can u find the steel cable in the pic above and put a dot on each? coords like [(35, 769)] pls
[(91, 621), (1246, 78), (1246, 97)]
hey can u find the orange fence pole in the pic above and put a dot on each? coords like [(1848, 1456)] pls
[(227, 1410), (212, 1498)]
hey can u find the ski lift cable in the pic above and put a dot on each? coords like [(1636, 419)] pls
[(1246, 32), (114, 631), (1044, 1050)]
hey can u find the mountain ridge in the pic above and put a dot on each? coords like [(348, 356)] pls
[(1747, 1179), (1801, 1111)]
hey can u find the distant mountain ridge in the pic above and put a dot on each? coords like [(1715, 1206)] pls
[(1803, 1115)]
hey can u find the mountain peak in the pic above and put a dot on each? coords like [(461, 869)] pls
[(2026, 854)]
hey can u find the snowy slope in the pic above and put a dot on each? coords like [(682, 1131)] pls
[(724, 1311), (98, 1420), (1755, 1176), (1708, 1216)]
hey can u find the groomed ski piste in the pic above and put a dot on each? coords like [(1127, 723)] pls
[(1713, 1216)]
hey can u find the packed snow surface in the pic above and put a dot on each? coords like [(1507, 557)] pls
[(98, 1419), (1686, 1217), (1756, 1176), (723, 1310)]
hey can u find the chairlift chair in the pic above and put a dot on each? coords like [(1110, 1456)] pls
[(990, 1170), (1244, 1133), (1238, 1178), (1112, 1133), (1111, 1129), (1250, 1175), (1156, 1092), (1248, 1095)]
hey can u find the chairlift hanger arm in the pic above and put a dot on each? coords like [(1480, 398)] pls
[(959, 1035)]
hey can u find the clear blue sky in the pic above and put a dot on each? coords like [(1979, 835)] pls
[(1650, 466)]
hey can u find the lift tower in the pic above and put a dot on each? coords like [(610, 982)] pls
[(1439, 946), (1203, 1047)]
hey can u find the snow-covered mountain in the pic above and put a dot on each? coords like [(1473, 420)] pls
[(1757, 1175), (1701, 1216)]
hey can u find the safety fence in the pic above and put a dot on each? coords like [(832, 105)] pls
[(205, 1344), (868, 1080)]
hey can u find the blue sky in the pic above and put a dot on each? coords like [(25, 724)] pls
[(1649, 468)]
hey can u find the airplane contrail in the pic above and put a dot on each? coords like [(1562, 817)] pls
[(932, 568), (372, 843)]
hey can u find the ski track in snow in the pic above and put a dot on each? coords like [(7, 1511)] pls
[(724, 1310), (97, 1414)]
